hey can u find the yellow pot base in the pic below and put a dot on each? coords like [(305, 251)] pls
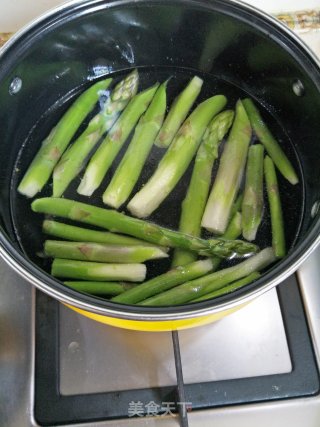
[(156, 326)]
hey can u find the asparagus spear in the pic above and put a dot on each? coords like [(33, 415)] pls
[(100, 288), (88, 251), (86, 270), (79, 234), (54, 145), (212, 282), (232, 232), (229, 288), (195, 201), (73, 159), (164, 282), (111, 145), (177, 158), (271, 145), (236, 207), (226, 184), (116, 221), (252, 205), (278, 238), (178, 112), (132, 163)]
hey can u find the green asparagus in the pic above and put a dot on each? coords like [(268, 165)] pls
[(229, 288), (196, 288), (79, 234), (111, 145), (232, 232), (278, 237), (271, 145), (86, 270), (177, 158), (164, 282), (226, 184), (252, 204), (131, 165), (178, 112), (195, 201), (100, 288), (74, 157), (116, 221), (236, 207), (88, 251), (54, 145)]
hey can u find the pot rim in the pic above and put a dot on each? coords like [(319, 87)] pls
[(57, 290)]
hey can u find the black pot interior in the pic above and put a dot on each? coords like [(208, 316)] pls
[(236, 51)]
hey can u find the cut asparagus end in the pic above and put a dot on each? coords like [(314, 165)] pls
[(112, 200), (215, 219), (29, 188), (87, 185), (142, 207), (97, 271), (251, 234)]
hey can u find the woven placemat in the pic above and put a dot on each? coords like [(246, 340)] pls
[(4, 37)]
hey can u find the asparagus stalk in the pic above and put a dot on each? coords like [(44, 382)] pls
[(177, 158), (165, 281), (74, 157), (88, 251), (178, 112), (195, 201), (86, 270), (278, 238), (237, 205), (271, 145), (79, 234), (54, 145), (232, 232), (111, 145), (229, 288), (100, 288), (226, 184), (252, 205), (116, 221), (212, 282), (131, 165)]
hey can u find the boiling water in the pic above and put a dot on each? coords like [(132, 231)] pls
[(28, 230)]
